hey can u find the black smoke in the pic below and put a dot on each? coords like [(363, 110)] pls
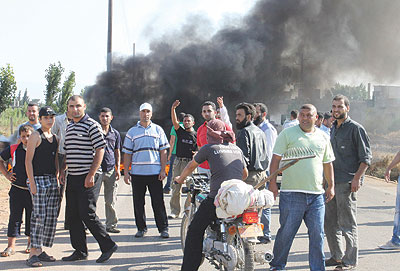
[(279, 45)]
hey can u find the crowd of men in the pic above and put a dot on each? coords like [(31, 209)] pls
[(82, 154)]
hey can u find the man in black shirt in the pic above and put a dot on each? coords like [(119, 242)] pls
[(185, 147)]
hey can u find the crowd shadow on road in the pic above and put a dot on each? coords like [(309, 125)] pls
[(377, 224)]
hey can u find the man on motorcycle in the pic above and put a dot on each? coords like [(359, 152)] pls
[(226, 163)]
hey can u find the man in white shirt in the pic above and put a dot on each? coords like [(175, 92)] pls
[(293, 120), (327, 123), (59, 128), (270, 132)]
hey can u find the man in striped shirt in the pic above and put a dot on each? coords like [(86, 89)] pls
[(145, 149), (84, 149)]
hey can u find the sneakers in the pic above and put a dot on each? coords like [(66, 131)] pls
[(332, 262), (140, 234), (167, 190), (164, 234), (344, 267), (172, 216), (390, 246)]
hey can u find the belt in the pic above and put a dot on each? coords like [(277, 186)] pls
[(20, 187), (183, 158)]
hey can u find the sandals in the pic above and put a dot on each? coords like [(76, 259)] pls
[(44, 257), (34, 261), (28, 249), (8, 252)]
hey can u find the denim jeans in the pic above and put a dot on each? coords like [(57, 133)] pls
[(396, 227), (266, 218), (294, 207), (169, 177)]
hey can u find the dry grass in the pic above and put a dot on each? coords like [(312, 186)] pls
[(378, 168)]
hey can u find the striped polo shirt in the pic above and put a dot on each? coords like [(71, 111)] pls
[(145, 145), (82, 138)]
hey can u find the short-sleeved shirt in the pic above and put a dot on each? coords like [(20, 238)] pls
[(18, 163), (113, 142), (351, 146), (305, 176), (202, 139), (82, 138), (226, 163), (173, 133), (145, 144), (59, 128), (186, 143)]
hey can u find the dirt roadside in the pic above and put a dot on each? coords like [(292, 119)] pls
[(4, 209)]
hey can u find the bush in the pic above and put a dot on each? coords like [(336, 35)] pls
[(16, 114)]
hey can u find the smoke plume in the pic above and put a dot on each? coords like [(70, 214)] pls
[(279, 45)]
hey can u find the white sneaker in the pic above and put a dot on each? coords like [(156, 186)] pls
[(390, 246)]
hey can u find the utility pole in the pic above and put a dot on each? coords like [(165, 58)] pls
[(109, 39)]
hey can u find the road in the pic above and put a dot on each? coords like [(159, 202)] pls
[(375, 217)]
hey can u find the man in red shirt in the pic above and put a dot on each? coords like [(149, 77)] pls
[(209, 112)]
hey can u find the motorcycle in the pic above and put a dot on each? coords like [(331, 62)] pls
[(229, 243)]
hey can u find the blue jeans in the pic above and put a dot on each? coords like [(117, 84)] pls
[(396, 227), (266, 218), (294, 207), (171, 167)]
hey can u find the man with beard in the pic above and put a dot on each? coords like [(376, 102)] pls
[(270, 133), (209, 112), (350, 144), (302, 191), (253, 143), (186, 146)]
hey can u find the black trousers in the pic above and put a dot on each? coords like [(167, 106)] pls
[(61, 158), (195, 235), (81, 210), (20, 200), (140, 183)]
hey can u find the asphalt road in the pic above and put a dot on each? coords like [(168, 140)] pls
[(375, 217)]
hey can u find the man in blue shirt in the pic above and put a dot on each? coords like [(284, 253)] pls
[(110, 167), (145, 149)]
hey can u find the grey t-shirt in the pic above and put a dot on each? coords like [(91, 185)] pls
[(226, 163)]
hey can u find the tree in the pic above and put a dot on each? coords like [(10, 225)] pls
[(53, 78), (358, 93), (25, 98), (66, 92), (8, 87), (19, 98)]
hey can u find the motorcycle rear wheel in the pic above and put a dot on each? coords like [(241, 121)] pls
[(245, 253)]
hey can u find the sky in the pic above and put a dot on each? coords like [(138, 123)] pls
[(34, 34)]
